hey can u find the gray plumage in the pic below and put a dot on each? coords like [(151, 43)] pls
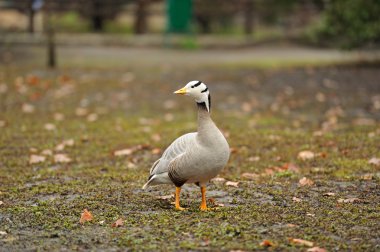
[(194, 157)]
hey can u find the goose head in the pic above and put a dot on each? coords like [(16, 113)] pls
[(198, 91)]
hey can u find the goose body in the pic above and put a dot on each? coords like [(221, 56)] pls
[(195, 157)]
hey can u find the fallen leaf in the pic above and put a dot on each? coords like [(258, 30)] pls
[(364, 122), (266, 243), (218, 179), (47, 152), (1, 203), (165, 197), (301, 242), (231, 183), (49, 126), (86, 216), (291, 225), (101, 222), (291, 167), (2, 124), (27, 108), (124, 152), (368, 176), (329, 194), (3, 88), (68, 142), (35, 159), (295, 199), (3, 233), (61, 158), (316, 249), (118, 223), (251, 176), (92, 117), (156, 151), (81, 111), (59, 116), (33, 150), (156, 137), (306, 155), (254, 159), (374, 161), (349, 200), (32, 80), (305, 182)]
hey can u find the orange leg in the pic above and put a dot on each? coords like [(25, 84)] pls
[(203, 204), (177, 193)]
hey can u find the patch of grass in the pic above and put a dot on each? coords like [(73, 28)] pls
[(42, 203)]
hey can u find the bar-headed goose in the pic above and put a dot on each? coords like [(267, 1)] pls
[(194, 157)]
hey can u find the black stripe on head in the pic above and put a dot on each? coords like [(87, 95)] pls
[(196, 84), (204, 90)]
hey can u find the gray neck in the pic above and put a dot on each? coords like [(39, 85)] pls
[(205, 123)]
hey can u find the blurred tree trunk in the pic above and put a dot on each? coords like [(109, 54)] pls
[(248, 18), (96, 17), (51, 52), (140, 25), (31, 19)]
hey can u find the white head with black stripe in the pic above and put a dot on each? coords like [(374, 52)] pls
[(199, 91)]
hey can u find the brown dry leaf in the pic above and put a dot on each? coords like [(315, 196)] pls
[(27, 108), (86, 216), (368, 176), (266, 243), (129, 151), (316, 249), (118, 223), (92, 117), (291, 167), (305, 182), (32, 80), (3, 88), (2, 123), (329, 194), (349, 200), (301, 242), (35, 159), (218, 179), (47, 152), (374, 161), (124, 152), (165, 197), (254, 159), (156, 151), (231, 183), (61, 158), (295, 199), (251, 176), (291, 225), (59, 116), (306, 155), (49, 126), (81, 111), (156, 137)]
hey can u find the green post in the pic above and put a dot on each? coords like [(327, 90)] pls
[(179, 13)]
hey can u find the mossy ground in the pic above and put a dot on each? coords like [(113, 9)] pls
[(269, 116)]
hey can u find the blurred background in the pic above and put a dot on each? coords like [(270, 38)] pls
[(87, 105), (202, 24)]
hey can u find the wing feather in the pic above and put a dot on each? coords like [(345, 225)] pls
[(175, 149)]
